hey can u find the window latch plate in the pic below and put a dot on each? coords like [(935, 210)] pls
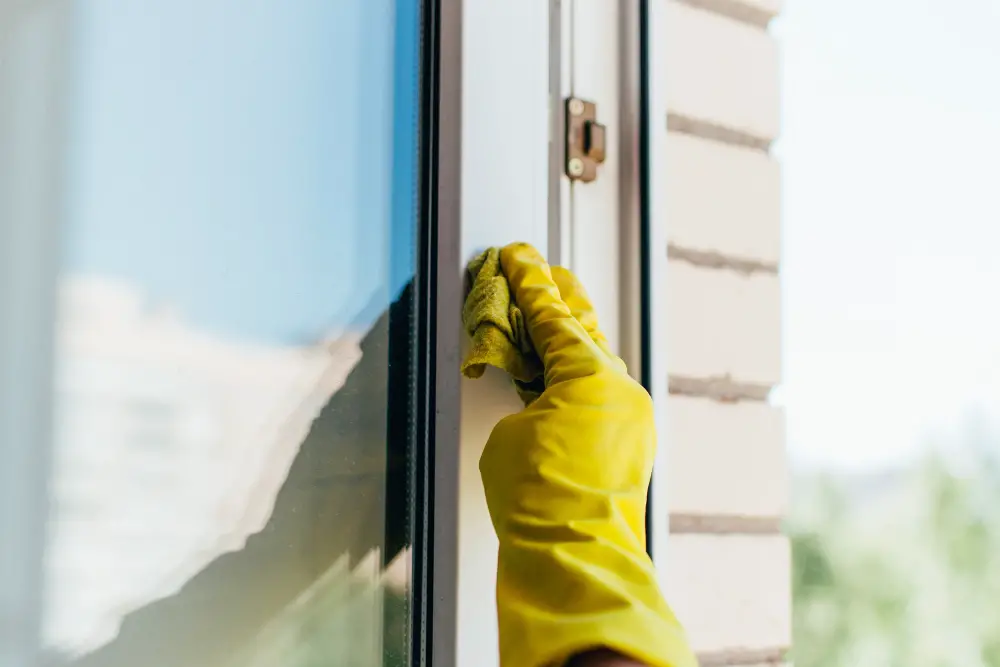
[(586, 140)]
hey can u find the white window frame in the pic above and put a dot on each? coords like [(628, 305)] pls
[(510, 142)]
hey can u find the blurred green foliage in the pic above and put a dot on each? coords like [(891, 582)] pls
[(900, 568)]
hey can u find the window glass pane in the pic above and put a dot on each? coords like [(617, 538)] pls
[(231, 472)]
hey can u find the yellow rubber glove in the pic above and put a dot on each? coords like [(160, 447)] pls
[(566, 482)]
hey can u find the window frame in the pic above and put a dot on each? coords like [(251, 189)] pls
[(439, 297), (643, 232), (650, 101), (28, 296), (29, 249)]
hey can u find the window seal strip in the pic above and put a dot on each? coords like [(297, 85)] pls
[(440, 292)]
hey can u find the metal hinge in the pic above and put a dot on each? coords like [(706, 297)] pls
[(585, 140)]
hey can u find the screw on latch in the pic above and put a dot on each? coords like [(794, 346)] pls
[(576, 107), (575, 167)]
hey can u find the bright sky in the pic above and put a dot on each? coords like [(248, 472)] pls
[(891, 154)]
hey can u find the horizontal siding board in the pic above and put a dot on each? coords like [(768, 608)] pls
[(723, 199), (731, 592), (772, 7), (774, 657), (726, 458), (724, 524), (721, 71), (754, 12), (722, 324)]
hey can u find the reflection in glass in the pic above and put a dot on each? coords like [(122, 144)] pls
[(230, 484)]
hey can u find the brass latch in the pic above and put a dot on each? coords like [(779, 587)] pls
[(585, 140)]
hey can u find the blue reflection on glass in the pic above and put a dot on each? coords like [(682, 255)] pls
[(251, 164)]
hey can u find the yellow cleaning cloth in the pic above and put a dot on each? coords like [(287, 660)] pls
[(496, 325)]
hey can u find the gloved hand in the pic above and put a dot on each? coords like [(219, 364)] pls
[(566, 482)]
